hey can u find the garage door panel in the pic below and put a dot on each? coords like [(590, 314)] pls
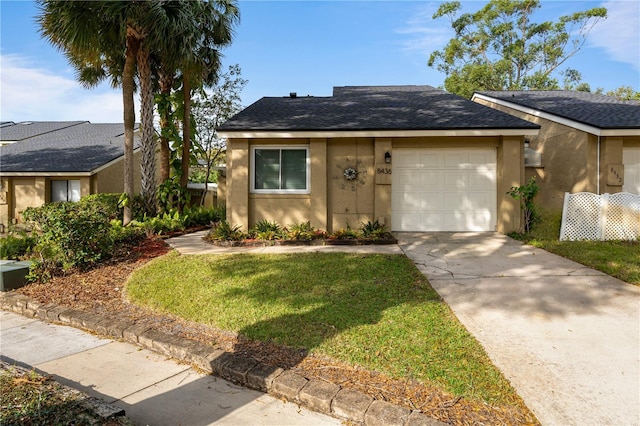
[(444, 190), (476, 200), (479, 220), (456, 221), (418, 222), (484, 157), (429, 180), (456, 160), (407, 159), (631, 161), (417, 201), (430, 160), (478, 182), (455, 180), (454, 201)]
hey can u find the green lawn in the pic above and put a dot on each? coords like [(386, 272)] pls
[(375, 311), (620, 259)]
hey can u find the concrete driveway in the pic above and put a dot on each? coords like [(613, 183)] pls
[(566, 336)]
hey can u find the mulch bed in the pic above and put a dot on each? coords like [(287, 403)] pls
[(102, 290)]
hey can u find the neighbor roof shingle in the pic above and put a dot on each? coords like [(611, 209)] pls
[(28, 129), (355, 108), (82, 147), (596, 110)]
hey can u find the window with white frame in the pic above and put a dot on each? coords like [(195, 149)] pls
[(280, 169), (65, 190)]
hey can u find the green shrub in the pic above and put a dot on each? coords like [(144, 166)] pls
[(300, 231), (344, 233), (109, 202), (526, 194), (222, 231), (163, 224), (16, 246), (126, 234), (200, 216), (71, 234), (266, 230), (170, 194)]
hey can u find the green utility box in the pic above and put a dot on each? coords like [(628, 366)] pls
[(13, 274)]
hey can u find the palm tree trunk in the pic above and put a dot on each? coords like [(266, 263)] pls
[(166, 83), (129, 121), (186, 131), (147, 159)]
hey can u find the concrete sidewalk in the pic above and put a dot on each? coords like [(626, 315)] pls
[(566, 336), (152, 389)]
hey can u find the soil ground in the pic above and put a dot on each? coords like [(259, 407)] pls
[(102, 290)]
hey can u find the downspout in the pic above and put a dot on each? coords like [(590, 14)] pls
[(598, 168)]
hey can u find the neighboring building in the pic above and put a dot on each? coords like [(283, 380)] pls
[(587, 142), (412, 157), (42, 162)]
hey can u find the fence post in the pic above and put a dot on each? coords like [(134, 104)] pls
[(564, 215), (602, 219)]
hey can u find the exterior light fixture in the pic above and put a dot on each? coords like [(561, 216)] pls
[(387, 157)]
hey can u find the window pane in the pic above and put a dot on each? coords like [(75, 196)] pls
[(294, 169), (58, 190), (267, 164), (74, 190)]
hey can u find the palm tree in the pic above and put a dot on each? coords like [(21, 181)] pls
[(199, 63), (115, 38), (99, 39)]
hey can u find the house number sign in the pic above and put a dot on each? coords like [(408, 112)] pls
[(615, 174), (383, 174)]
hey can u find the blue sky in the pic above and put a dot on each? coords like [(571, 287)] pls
[(305, 47)]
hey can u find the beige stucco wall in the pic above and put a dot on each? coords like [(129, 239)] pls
[(334, 202), (350, 202), (111, 179), (5, 201), (569, 159)]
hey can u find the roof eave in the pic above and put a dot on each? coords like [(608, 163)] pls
[(259, 134), (45, 174)]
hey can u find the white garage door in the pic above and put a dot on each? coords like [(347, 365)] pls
[(443, 190), (631, 161)]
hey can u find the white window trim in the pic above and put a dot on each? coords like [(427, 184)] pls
[(252, 170)]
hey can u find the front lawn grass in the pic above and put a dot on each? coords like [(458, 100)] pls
[(620, 259), (375, 311)]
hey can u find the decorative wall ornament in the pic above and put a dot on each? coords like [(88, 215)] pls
[(352, 174)]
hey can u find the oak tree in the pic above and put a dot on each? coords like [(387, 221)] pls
[(501, 47)]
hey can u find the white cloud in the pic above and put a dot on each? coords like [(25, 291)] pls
[(32, 93), (424, 34), (619, 34)]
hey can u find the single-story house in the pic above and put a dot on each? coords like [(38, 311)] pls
[(45, 161), (587, 142), (415, 158)]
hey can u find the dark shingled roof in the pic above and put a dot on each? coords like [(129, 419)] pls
[(78, 147), (28, 129), (604, 112), (354, 108)]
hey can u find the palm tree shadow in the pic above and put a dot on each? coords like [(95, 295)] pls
[(317, 314)]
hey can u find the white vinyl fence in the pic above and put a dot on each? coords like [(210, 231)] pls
[(588, 216)]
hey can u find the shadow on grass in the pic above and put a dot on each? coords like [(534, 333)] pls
[(315, 307)]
